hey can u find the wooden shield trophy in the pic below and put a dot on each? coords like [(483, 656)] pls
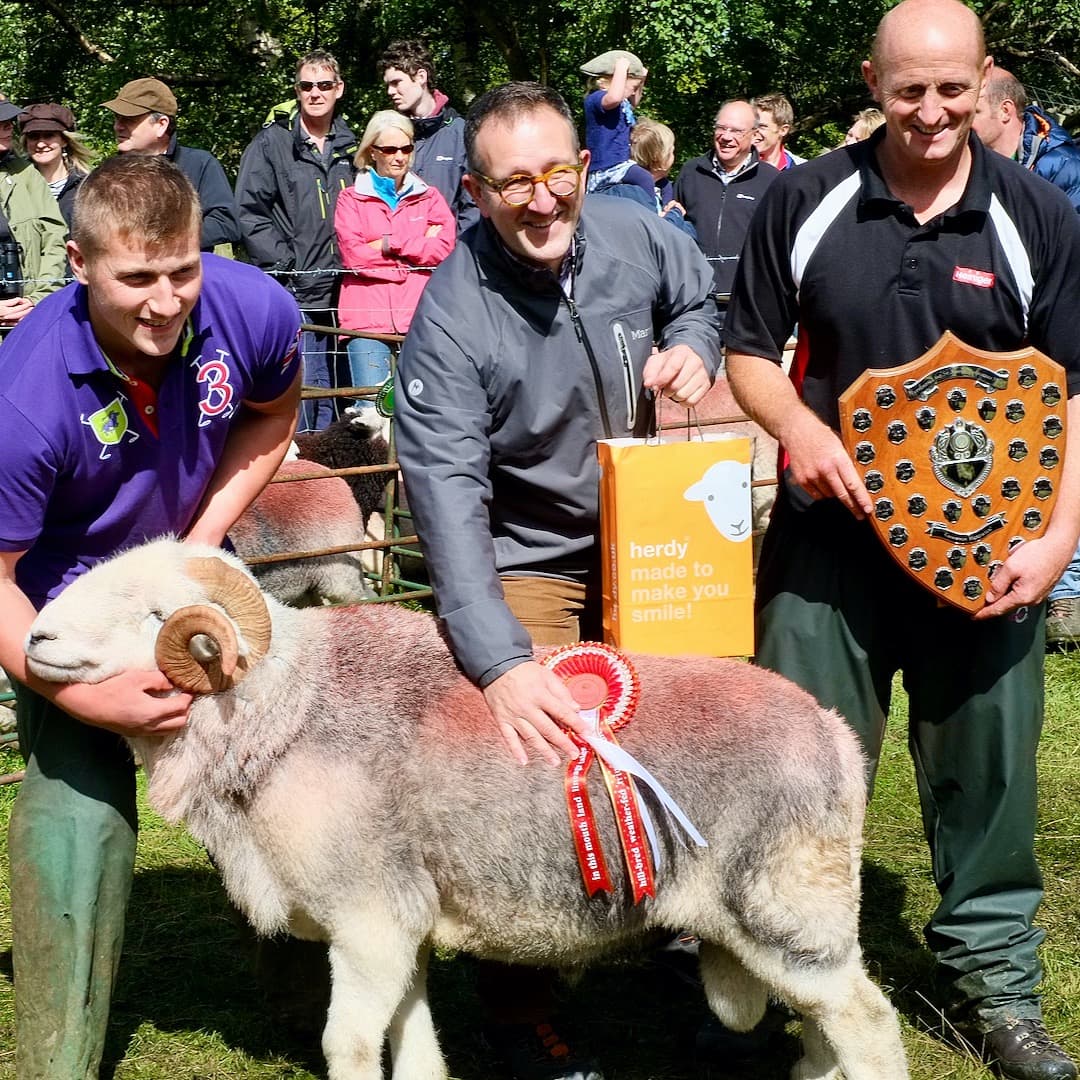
[(961, 451)]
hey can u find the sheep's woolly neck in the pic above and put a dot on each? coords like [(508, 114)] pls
[(320, 670)]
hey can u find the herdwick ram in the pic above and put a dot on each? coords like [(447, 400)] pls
[(305, 515), (344, 776)]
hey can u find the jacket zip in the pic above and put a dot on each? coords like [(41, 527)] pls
[(579, 329), (720, 218)]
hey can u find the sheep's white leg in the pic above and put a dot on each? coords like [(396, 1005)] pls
[(372, 558), (414, 1045), (737, 998), (818, 1061), (372, 960), (851, 1029)]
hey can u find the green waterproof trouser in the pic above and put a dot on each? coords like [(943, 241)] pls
[(838, 616), (71, 843)]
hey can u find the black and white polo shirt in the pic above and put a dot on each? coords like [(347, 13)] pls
[(832, 249)]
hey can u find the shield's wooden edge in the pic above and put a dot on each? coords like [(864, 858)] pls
[(948, 349)]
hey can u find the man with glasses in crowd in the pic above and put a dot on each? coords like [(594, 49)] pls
[(531, 342), (721, 191), (290, 177)]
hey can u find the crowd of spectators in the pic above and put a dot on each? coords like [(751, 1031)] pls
[(497, 438), (283, 215)]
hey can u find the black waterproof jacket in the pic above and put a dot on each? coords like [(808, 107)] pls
[(721, 212), (440, 161), (285, 198), (215, 196)]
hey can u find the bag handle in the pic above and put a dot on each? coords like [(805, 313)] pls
[(690, 412)]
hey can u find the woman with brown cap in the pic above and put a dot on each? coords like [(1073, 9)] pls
[(48, 132)]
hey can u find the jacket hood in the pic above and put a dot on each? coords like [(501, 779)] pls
[(1041, 133), (364, 186), (287, 114), (443, 115)]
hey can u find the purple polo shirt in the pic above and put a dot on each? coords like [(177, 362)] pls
[(91, 464)]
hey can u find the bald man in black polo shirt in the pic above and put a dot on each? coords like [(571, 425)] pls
[(875, 250)]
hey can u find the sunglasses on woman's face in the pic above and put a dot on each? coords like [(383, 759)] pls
[(323, 84), (389, 151)]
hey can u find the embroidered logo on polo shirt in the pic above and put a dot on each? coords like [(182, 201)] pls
[(984, 279), (109, 426), (219, 392)]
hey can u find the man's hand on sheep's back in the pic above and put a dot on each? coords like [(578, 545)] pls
[(131, 703), (533, 708)]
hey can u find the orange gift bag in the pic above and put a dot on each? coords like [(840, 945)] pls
[(675, 526)]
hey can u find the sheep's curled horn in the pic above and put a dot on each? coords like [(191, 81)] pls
[(197, 647)]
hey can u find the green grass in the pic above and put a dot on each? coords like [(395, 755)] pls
[(188, 1008)]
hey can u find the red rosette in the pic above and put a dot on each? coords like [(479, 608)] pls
[(598, 677)]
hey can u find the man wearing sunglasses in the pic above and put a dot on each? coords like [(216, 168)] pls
[(533, 340), (290, 177)]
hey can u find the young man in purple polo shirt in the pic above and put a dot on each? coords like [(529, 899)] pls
[(156, 394)]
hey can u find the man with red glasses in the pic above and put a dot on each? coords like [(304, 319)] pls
[(533, 340), (290, 177)]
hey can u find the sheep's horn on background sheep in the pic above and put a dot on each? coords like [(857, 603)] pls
[(196, 649), (238, 594)]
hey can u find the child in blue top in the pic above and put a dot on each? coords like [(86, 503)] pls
[(619, 80)]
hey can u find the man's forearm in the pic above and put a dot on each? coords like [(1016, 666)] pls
[(763, 391)]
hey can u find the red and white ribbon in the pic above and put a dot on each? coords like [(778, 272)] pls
[(605, 687)]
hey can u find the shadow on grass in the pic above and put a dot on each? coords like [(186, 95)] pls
[(189, 965), (898, 959)]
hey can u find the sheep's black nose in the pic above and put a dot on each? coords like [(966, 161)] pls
[(36, 639)]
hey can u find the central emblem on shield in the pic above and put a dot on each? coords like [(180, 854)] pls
[(947, 507), (962, 456)]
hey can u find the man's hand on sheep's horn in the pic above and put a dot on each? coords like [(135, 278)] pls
[(532, 707), (132, 703)]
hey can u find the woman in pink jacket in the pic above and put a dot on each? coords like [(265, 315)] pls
[(392, 230)]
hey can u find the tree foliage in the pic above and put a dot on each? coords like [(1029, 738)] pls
[(229, 64)]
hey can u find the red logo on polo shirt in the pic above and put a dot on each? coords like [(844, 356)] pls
[(984, 279), (219, 393)]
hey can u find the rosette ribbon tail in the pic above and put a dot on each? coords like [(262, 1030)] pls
[(594, 871), (621, 760)]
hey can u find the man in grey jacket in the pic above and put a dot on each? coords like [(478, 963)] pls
[(532, 341)]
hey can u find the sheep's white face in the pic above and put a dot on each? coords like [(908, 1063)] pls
[(107, 621), (725, 491)]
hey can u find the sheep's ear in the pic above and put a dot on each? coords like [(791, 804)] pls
[(696, 492)]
